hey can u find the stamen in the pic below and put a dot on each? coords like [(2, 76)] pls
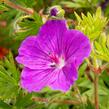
[(57, 62), (54, 58)]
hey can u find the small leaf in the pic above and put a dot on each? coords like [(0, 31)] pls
[(4, 105), (77, 16), (98, 12)]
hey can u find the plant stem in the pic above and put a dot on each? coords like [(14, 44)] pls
[(96, 92), (97, 71), (79, 95), (105, 66), (45, 100), (12, 5)]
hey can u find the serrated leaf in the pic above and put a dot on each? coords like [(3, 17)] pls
[(9, 77), (27, 25), (91, 25), (102, 57), (99, 48)]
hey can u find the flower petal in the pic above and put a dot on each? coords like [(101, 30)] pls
[(35, 80), (64, 78), (31, 55), (76, 46), (51, 34), (52, 28)]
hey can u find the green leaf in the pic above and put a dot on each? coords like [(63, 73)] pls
[(27, 25), (105, 77), (79, 4), (71, 4), (3, 7), (101, 48), (4, 105), (26, 3), (91, 25), (78, 17), (98, 12), (89, 105), (9, 78), (23, 100), (82, 69)]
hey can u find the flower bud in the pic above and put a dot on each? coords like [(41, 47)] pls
[(57, 12)]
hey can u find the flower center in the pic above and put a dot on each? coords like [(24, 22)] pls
[(61, 63), (57, 62)]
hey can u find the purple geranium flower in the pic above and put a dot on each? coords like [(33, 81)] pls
[(52, 57)]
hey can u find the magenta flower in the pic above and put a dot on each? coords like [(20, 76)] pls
[(52, 57)]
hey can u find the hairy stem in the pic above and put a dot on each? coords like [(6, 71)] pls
[(96, 92), (12, 5), (96, 69), (45, 100)]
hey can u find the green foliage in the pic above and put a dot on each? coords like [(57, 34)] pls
[(80, 3), (26, 3), (20, 24), (4, 105), (26, 25), (23, 100), (9, 78), (3, 7), (102, 47), (105, 77), (106, 12), (91, 25)]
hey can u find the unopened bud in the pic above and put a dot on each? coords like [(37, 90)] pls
[(57, 12)]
